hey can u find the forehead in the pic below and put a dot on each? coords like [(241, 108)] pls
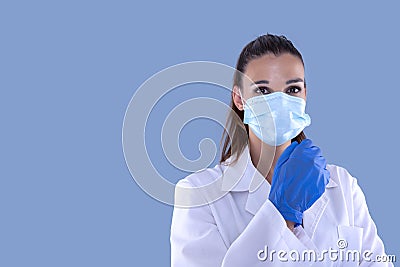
[(275, 68)]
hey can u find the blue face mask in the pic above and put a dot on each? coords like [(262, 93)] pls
[(276, 118)]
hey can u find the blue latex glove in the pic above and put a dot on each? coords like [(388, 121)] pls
[(300, 177)]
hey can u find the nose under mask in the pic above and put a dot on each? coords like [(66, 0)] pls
[(276, 118)]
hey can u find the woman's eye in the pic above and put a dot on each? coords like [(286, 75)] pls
[(293, 90), (262, 90)]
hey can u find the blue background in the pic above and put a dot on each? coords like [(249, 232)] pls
[(69, 69)]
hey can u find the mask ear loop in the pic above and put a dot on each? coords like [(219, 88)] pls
[(241, 98)]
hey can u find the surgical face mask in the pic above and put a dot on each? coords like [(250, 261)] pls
[(276, 118)]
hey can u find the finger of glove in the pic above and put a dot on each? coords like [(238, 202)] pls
[(319, 161), (299, 149), (327, 176), (305, 143), (282, 159), (306, 151), (285, 155), (320, 183)]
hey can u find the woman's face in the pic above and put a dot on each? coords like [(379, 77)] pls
[(269, 74)]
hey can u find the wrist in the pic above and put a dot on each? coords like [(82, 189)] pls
[(290, 225), (291, 215)]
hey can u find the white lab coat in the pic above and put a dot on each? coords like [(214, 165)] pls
[(232, 230)]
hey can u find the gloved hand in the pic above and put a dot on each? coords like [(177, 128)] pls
[(299, 179)]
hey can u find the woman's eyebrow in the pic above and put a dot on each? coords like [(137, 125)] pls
[(294, 80), (261, 81)]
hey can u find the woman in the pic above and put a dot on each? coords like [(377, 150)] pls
[(280, 202)]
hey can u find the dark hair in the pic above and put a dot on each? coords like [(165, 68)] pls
[(235, 129)]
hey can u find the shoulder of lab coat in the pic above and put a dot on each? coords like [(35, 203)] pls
[(229, 229)]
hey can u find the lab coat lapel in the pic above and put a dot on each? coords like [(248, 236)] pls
[(257, 198), (313, 215), (234, 176), (243, 176)]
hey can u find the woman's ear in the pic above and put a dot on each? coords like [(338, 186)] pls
[(237, 97)]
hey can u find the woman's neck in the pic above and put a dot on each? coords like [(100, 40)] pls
[(263, 156)]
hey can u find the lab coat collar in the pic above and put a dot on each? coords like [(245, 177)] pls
[(331, 184), (238, 175), (242, 175)]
